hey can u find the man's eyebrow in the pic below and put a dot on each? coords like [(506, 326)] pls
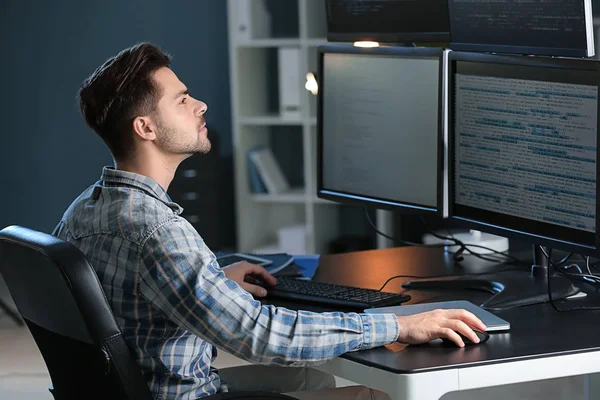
[(182, 93)]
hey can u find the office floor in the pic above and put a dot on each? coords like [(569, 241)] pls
[(23, 374)]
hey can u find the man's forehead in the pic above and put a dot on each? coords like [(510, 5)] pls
[(168, 81)]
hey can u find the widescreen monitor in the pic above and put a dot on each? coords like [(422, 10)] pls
[(381, 127), (538, 27), (523, 140), (389, 21)]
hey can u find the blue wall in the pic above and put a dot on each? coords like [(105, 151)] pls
[(47, 153)]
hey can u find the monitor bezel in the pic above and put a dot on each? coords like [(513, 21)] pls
[(516, 232), (520, 50), (394, 37), (386, 204), (389, 38)]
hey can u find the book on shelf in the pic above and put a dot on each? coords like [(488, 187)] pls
[(263, 165)]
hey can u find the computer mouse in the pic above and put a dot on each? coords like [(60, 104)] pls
[(483, 337)]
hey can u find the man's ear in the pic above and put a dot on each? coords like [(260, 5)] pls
[(144, 127)]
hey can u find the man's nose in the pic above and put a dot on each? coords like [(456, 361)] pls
[(202, 107)]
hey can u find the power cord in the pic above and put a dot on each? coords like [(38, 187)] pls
[(589, 277), (456, 255), (396, 240), (549, 278), (466, 247)]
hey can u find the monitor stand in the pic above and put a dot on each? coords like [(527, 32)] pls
[(522, 289), (514, 289)]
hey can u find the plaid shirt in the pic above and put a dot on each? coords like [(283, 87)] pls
[(173, 302)]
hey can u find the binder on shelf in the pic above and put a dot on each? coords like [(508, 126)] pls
[(257, 186), (269, 171), (290, 84), (253, 20), (243, 19)]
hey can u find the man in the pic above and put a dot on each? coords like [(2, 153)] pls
[(171, 299)]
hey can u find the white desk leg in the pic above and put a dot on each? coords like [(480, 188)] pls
[(425, 386)]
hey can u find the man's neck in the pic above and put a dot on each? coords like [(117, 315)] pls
[(160, 171)]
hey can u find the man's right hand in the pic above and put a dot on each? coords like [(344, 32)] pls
[(425, 327)]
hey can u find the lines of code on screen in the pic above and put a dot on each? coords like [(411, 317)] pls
[(557, 24), (388, 16), (528, 149)]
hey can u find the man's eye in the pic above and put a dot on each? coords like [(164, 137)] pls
[(184, 100)]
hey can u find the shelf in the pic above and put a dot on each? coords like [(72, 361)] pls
[(296, 196), (293, 196), (267, 120), (315, 42), (273, 119), (270, 42), (318, 200), (282, 42)]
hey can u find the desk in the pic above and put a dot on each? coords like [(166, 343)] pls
[(535, 348)]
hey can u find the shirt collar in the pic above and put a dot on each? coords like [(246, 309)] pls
[(116, 177)]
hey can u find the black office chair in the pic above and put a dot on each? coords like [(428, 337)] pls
[(60, 299)]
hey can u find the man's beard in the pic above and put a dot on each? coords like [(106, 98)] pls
[(167, 140)]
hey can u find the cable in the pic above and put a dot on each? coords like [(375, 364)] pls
[(590, 277), (463, 247), (466, 247), (565, 259), (549, 277), (562, 261), (395, 240), (457, 255), (448, 275)]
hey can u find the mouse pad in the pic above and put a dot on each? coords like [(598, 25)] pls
[(491, 321)]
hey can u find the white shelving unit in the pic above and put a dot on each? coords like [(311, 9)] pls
[(260, 216)]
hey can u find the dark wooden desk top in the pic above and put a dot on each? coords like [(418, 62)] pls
[(536, 331)]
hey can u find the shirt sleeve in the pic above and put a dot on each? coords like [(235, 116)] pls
[(180, 276)]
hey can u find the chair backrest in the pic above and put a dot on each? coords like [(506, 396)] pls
[(60, 299)]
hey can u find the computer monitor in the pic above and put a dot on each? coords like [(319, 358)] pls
[(523, 150), (390, 21), (541, 27), (380, 127), (523, 141)]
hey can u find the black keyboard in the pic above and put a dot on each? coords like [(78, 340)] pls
[(328, 294)]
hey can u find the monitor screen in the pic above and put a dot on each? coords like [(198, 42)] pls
[(396, 21), (523, 147), (542, 27), (380, 127)]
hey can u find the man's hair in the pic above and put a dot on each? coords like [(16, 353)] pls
[(120, 90)]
